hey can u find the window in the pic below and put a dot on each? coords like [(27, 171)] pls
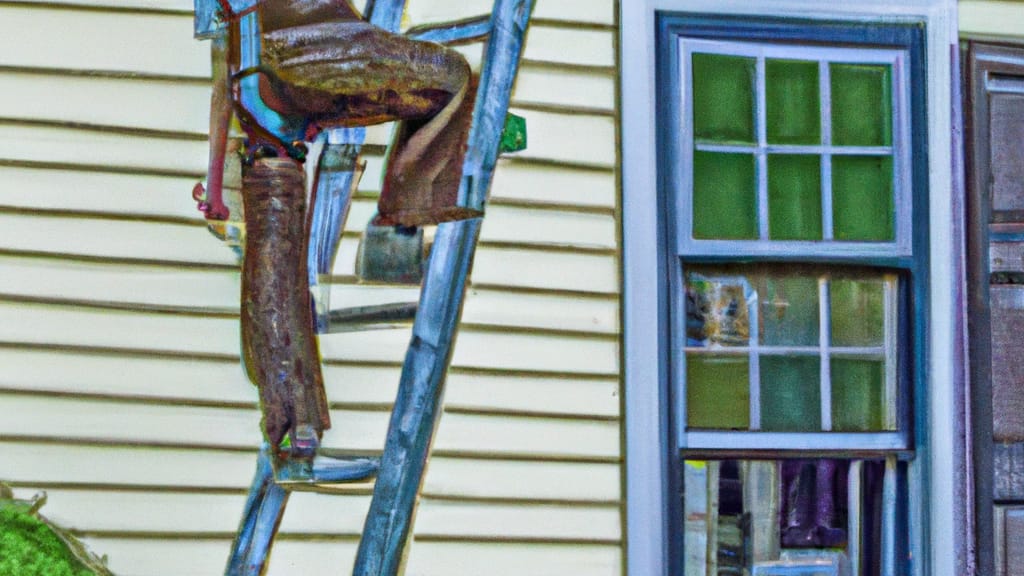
[(793, 261), (802, 152), (789, 368)]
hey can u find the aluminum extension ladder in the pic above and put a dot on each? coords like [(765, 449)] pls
[(399, 470)]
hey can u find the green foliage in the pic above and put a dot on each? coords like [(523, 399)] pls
[(28, 547)]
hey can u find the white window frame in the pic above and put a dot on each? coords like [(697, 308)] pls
[(899, 151), (937, 481)]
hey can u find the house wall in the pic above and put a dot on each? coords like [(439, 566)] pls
[(995, 19), (120, 388)]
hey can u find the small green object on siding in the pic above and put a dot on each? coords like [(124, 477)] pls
[(513, 136)]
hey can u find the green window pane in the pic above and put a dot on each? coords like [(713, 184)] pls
[(724, 196), (717, 392), (858, 312), (789, 311), (858, 391), (794, 197), (862, 198), (790, 393), (793, 102), (861, 104), (723, 98)]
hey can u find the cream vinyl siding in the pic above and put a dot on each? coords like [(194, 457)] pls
[(992, 19), (120, 388)]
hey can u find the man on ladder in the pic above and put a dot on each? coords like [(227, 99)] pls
[(298, 67)]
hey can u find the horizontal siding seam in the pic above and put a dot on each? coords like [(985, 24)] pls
[(234, 359), (552, 247), (352, 280), (602, 296), (560, 248), (349, 490), (193, 174), (572, 24), (101, 168), (371, 195), (106, 129), (464, 409), (285, 535), (439, 453), (230, 314), (101, 215), (549, 163), (7, 389), (421, 537), (609, 71), (43, 5), (122, 306), (556, 109), (111, 74), (282, 536), (558, 23), (122, 260), (562, 109)]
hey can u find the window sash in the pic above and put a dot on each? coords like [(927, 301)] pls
[(894, 435), (900, 152)]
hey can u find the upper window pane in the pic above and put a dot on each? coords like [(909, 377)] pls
[(793, 102), (723, 98), (861, 104)]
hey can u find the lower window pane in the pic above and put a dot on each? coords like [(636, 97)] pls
[(793, 516), (717, 392), (790, 394), (760, 338), (858, 392)]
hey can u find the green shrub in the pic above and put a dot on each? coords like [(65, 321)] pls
[(29, 548)]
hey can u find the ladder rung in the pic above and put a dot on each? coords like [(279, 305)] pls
[(364, 317), (460, 32), (326, 468)]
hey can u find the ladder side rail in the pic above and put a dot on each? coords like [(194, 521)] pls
[(417, 406), (337, 175), (386, 14), (335, 180), (509, 20), (260, 519)]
